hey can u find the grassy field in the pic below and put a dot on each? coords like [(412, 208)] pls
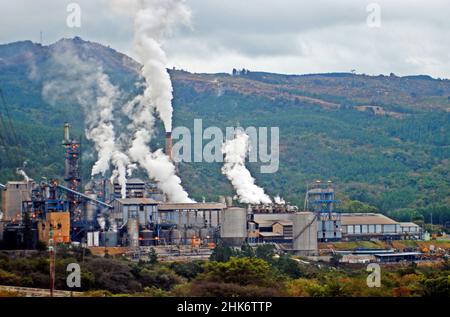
[(399, 245)]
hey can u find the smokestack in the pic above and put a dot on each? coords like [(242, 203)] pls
[(169, 144), (66, 132)]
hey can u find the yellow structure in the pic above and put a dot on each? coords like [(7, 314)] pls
[(59, 222)]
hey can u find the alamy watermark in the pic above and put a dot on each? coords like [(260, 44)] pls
[(73, 19), (74, 278), (204, 145), (374, 278), (374, 18)]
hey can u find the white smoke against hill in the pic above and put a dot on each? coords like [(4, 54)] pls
[(82, 81), (23, 174), (153, 20), (159, 167), (235, 151), (279, 200)]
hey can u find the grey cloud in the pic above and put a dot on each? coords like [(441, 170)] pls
[(289, 36)]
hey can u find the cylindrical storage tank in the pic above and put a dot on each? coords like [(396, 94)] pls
[(109, 238), (189, 234), (233, 226), (175, 236), (91, 209), (304, 233), (147, 237), (133, 233)]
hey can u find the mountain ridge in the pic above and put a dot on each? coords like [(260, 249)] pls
[(384, 139)]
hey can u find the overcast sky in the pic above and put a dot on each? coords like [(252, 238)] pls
[(284, 36)]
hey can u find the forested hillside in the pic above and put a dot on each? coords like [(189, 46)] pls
[(384, 140)]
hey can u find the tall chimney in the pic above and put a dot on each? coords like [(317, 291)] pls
[(66, 132), (169, 144)]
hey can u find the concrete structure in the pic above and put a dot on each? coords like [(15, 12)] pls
[(169, 145), (296, 231), (284, 228), (13, 196), (133, 232), (135, 188), (233, 226), (305, 233), (190, 215), (369, 225), (59, 224), (411, 230), (142, 209)]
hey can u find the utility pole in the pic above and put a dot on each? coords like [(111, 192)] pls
[(52, 262)]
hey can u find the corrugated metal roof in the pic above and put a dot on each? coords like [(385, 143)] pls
[(397, 254), (137, 201), (285, 223), (408, 224), (265, 223), (366, 219), (191, 206)]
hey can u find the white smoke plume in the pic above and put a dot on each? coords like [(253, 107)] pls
[(131, 168), (235, 152), (159, 167), (101, 222), (279, 200), (22, 172), (153, 19), (83, 81)]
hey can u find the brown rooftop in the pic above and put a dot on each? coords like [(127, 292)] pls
[(408, 224), (191, 206), (137, 201), (366, 219)]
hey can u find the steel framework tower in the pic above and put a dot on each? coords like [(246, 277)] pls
[(320, 199), (72, 170)]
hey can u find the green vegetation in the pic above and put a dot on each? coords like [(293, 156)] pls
[(262, 274), (396, 163)]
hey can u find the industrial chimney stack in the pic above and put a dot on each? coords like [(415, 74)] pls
[(66, 132), (169, 144)]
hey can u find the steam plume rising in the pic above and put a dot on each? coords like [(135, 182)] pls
[(81, 80), (22, 172), (235, 152), (153, 19), (159, 167), (279, 200)]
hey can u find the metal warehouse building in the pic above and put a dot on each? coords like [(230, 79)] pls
[(369, 225)]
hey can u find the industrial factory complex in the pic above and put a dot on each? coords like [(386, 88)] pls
[(97, 215)]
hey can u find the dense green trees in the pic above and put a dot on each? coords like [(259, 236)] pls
[(398, 166), (238, 276)]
